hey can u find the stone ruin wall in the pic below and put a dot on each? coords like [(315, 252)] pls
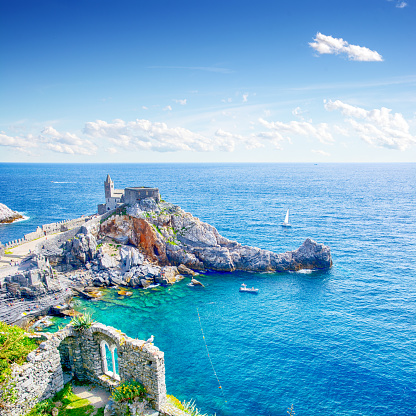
[(80, 353), (36, 380)]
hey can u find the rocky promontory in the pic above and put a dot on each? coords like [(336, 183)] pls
[(7, 215), (170, 236), (159, 243)]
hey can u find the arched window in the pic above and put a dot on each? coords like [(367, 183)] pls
[(109, 360)]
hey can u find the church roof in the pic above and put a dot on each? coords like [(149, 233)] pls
[(108, 178)]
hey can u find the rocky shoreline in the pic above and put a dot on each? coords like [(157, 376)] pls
[(137, 247), (7, 216)]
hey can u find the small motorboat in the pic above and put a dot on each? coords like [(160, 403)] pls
[(194, 283), (244, 288)]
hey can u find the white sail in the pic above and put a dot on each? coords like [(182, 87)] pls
[(286, 221), (287, 217)]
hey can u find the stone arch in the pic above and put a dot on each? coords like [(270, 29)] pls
[(107, 339), (68, 345), (112, 348)]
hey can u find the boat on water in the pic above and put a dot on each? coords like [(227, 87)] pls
[(244, 288), (286, 222)]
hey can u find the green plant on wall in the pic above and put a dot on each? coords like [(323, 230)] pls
[(81, 322)]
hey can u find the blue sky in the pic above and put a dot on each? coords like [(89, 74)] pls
[(207, 81)]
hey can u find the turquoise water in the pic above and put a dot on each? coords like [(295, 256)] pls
[(337, 342)]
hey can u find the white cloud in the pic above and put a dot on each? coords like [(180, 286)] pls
[(52, 140), (146, 135), (329, 45), (158, 137), (299, 113), (245, 97), (167, 108), (111, 150), (380, 128), (181, 102), (144, 107), (340, 130), (66, 142), (226, 141), (321, 152), (20, 143), (301, 128), (401, 5), (274, 137)]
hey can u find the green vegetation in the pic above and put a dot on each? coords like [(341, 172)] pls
[(157, 229), (187, 407), (67, 403), (128, 391), (150, 214), (15, 345), (81, 322)]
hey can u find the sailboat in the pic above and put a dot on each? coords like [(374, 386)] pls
[(286, 223)]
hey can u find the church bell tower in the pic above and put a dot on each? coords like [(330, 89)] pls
[(108, 187)]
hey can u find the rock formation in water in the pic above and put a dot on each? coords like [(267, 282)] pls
[(170, 236), (154, 243), (7, 215)]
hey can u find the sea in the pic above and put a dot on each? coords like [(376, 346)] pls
[(334, 342)]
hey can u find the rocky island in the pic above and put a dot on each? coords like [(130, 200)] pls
[(7, 216)]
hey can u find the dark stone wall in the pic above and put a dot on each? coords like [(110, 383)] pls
[(131, 196)]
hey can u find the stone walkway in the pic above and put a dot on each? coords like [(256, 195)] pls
[(21, 251), (97, 396)]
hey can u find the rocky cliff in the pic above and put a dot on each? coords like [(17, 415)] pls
[(7, 215), (170, 236)]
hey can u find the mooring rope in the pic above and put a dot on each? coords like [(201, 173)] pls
[(209, 357)]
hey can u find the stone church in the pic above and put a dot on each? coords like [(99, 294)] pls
[(116, 197)]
